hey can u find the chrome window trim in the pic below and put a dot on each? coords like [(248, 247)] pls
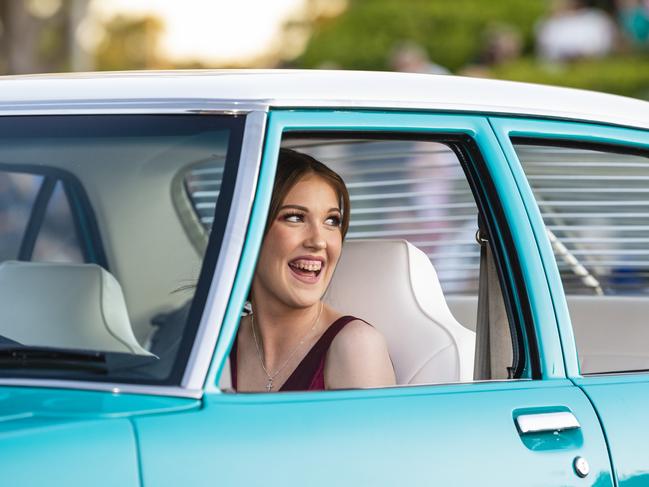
[(228, 261), (199, 361), (143, 106), (114, 388)]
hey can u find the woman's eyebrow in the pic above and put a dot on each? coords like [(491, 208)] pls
[(306, 210), (296, 207)]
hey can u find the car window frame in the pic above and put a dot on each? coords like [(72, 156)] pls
[(251, 127), (547, 363), (588, 134)]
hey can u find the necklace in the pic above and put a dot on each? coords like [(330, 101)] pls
[(271, 376)]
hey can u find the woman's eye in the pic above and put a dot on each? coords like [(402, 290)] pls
[(293, 217), (333, 220)]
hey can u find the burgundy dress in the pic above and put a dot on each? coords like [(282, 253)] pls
[(309, 374)]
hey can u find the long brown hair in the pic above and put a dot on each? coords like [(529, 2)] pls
[(293, 166)]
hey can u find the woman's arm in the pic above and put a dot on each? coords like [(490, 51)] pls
[(358, 357)]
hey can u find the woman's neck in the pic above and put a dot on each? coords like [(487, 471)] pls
[(280, 329)]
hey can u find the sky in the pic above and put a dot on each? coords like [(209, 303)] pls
[(209, 30)]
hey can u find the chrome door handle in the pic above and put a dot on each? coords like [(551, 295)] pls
[(546, 422)]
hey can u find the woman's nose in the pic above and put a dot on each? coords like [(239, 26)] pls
[(315, 239)]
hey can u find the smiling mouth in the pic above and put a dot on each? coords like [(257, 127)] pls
[(307, 269)]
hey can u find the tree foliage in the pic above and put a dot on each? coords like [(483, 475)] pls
[(622, 75), (453, 35), (451, 32), (130, 43)]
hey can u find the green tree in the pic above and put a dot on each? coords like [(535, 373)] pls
[(130, 43), (451, 32)]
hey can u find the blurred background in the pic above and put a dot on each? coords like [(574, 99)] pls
[(601, 45)]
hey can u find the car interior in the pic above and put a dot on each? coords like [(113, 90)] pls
[(152, 197)]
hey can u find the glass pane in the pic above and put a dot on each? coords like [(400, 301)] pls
[(17, 194), (57, 240), (414, 190), (203, 183), (595, 206), (127, 178)]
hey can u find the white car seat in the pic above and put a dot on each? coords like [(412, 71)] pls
[(72, 306), (393, 286)]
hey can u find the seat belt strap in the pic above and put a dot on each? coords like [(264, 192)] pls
[(493, 337), (482, 362)]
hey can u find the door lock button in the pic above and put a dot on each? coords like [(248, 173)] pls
[(581, 466)]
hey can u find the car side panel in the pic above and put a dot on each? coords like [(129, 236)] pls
[(621, 403), (463, 434), (54, 451)]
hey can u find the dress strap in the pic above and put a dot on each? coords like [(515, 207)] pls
[(233, 361), (309, 374)]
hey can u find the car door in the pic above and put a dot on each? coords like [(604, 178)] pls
[(470, 433), (600, 222)]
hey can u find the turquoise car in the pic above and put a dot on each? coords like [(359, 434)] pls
[(499, 239)]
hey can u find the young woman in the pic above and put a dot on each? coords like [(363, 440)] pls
[(292, 340)]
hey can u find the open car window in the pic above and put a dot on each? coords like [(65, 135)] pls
[(103, 239), (410, 265)]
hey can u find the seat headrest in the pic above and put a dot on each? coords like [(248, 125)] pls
[(72, 306), (393, 286)]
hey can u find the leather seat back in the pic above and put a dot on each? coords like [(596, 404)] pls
[(393, 286), (70, 306)]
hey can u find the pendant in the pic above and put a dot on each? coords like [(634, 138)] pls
[(269, 386)]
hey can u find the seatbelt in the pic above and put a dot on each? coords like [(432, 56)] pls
[(493, 355)]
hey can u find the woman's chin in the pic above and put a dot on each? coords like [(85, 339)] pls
[(301, 299)]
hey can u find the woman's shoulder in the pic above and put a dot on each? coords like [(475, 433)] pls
[(358, 357), (358, 334)]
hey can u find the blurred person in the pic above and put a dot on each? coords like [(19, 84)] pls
[(633, 17), (502, 43), (410, 57), (574, 31)]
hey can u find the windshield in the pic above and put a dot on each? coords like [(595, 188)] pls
[(104, 225)]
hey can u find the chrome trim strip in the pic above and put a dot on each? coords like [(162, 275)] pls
[(546, 422), (115, 388), (142, 106), (233, 240)]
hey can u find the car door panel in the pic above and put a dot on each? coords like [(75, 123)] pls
[(458, 434), (621, 403), (448, 435), (619, 399)]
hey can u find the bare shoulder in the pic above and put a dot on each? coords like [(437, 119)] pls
[(358, 357), (358, 336)]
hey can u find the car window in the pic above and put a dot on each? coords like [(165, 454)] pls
[(104, 235), (18, 193), (410, 264), (414, 190), (203, 182), (57, 239), (594, 203)]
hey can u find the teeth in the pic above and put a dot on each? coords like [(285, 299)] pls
[(307, 266)]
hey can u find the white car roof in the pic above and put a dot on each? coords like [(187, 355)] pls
[(298, 88)]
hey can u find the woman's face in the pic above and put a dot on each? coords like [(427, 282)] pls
[(302, 246)]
